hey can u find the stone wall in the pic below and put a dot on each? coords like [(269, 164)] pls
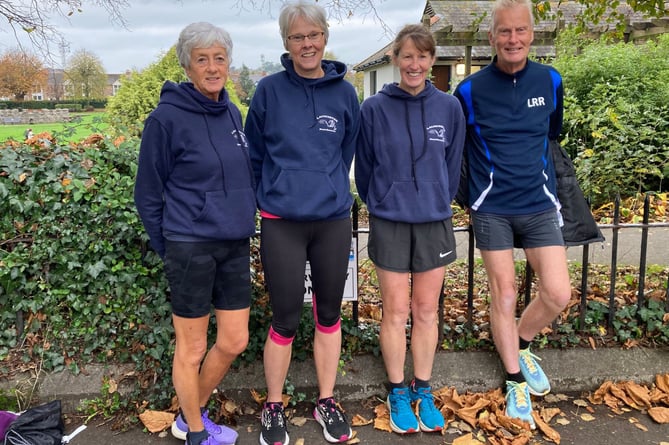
[(27, 117)]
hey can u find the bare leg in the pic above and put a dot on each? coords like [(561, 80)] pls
[(232, 336), (425, 329), (554, 293), (276, 361), (327, 349), (394, 288), (503, 296), (191, 346)]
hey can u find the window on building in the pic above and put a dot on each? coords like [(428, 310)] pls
[(372, 82)]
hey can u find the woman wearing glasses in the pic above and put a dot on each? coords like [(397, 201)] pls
[(302, 127)]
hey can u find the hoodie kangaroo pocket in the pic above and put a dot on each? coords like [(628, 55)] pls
[(227, 215), (303, 193)]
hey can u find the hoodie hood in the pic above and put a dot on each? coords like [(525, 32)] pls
[(185, 96), (333, 71), (394, 90)]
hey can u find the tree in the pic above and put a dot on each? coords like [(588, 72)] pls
[(33, 18), (86, 76), (270, 67), (246, 86), (609, 11), (21, 73)]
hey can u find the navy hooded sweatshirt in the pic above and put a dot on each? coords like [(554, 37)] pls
[(194, 179), (302, 136), (407, 164)]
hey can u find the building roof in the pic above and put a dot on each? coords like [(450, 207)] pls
[(459, 23)]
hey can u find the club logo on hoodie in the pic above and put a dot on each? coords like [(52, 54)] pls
[(240, 137), (327, 123), (436, 133)]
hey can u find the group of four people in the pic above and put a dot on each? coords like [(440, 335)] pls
[(203, 175)]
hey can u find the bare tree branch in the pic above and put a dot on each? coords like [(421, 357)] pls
[(33, 19)]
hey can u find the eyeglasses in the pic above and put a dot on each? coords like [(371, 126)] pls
[(312, 36)]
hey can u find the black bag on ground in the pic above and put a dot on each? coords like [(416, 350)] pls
[(41, 425)]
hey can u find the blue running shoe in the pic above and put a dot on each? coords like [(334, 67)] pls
[(402, 418), (221, 433), (429, 417), (518, 402), (534, 375)]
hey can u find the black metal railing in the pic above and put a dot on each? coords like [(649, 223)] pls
[(615, 228)]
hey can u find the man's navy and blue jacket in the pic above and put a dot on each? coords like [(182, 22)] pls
[(510, 121)]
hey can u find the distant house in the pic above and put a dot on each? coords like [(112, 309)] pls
[(460, 28), (58, 87)]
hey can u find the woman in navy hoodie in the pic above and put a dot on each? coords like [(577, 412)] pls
[(195, 195), (407, 169), (302, 126)]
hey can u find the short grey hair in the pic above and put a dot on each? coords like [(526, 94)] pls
[(507, 4), (310, 12), (201, 35)]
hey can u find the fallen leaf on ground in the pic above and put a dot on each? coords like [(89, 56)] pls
[(580, 402), (382, 419), (156, 421), (641, 427), (358, 420), (467, 439), (547, 414), (640, 394), (554, 398), (659, 414), (662, 382), (587, 417), (470, 413), (298, 421), (549, 432)]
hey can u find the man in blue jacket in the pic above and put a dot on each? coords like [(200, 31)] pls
[(513, 109)]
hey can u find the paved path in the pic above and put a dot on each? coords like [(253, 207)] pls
[(629, 244)]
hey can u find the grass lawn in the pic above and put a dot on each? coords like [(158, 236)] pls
[(80, 126)]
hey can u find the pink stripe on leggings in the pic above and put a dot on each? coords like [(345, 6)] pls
[(278, 338)]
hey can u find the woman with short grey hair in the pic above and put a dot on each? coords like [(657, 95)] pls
[(195, 195)]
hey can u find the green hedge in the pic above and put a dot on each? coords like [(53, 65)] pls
[(74, 262), (70, 106), (73, 259), (53, 104)]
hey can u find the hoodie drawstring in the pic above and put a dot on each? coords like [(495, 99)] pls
[(415, 158), (218, 156)]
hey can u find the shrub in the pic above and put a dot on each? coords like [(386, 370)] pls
[(69, 106), (616, 116), (74, 259)]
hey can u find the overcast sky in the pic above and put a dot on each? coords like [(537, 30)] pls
[(153, 27)]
